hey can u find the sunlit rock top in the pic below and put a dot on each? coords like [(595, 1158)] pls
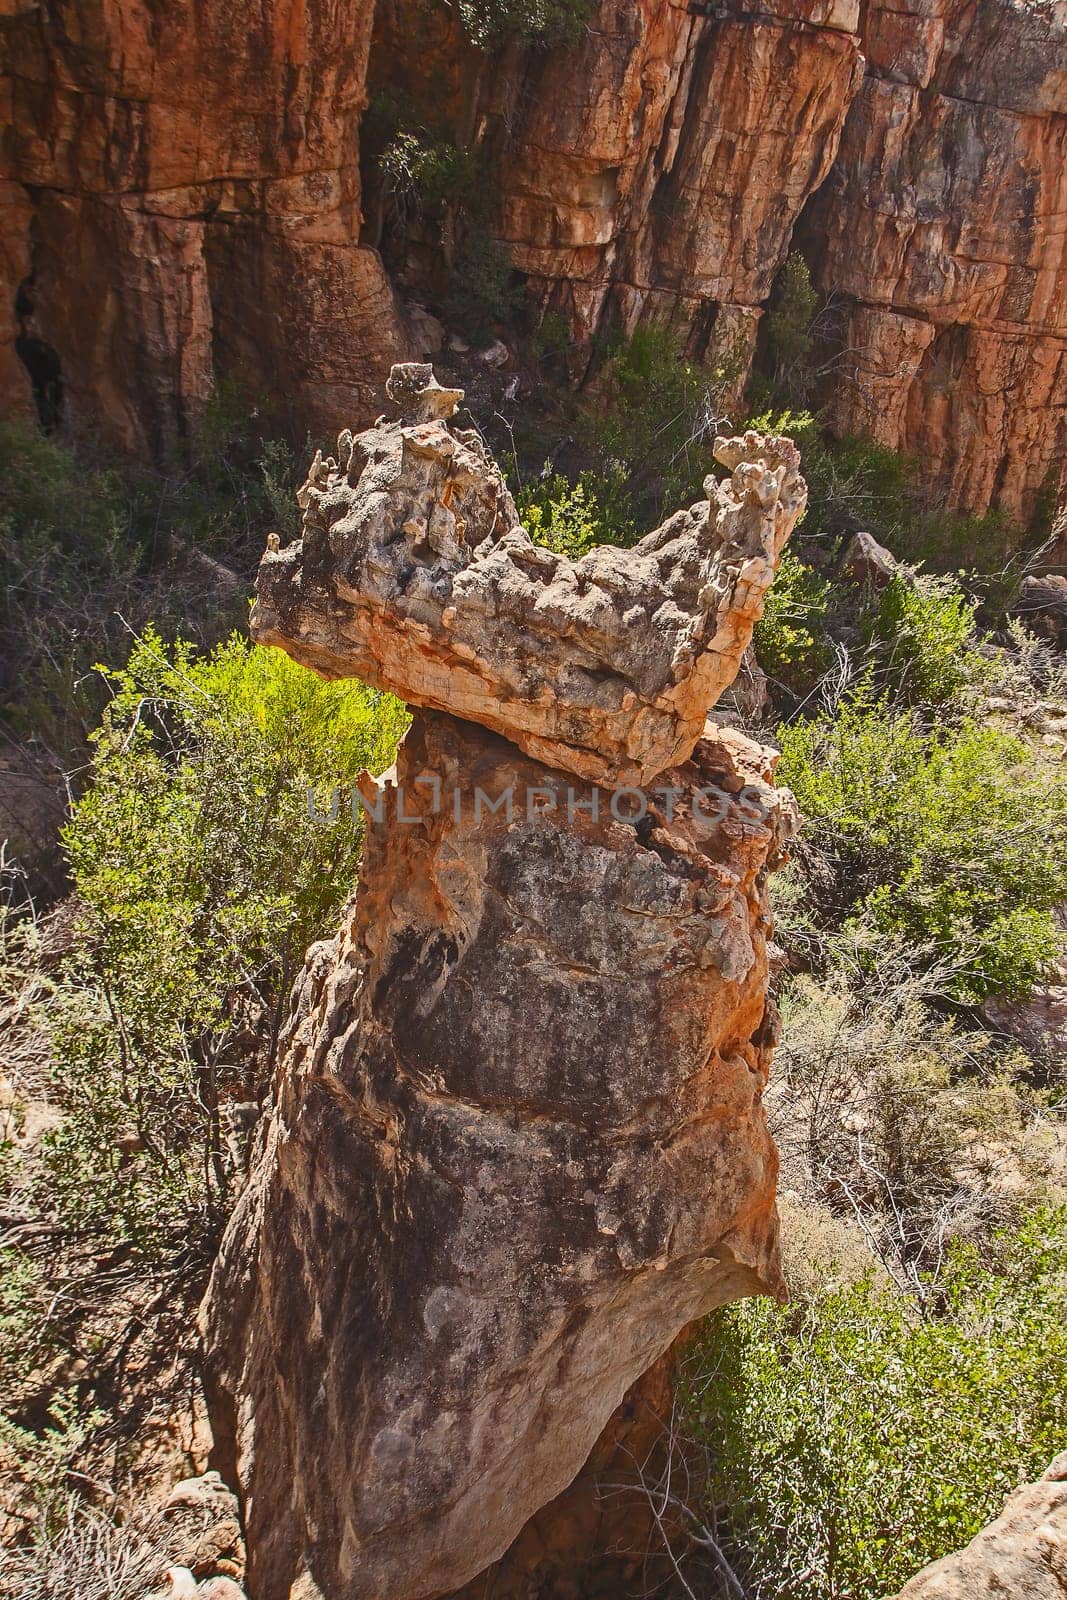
[(415, 575)]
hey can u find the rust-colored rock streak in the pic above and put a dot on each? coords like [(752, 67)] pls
[(517, 1143)]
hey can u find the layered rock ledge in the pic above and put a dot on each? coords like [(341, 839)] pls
[(415, 575)]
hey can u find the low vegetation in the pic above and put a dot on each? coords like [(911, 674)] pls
[(851, 1439), (149, 1023)]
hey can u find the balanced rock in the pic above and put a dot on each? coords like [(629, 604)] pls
[(415, 575), (517, 1143)]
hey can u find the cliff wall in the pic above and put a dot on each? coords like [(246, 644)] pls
[(181, 195)]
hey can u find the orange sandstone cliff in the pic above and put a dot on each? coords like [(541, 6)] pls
[(181, 196)]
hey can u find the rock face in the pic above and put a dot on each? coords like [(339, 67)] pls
[(180, 191), (414, 574), (1023, 1553), (517, 1140), (658, 170), (662, 169), (941, 228)]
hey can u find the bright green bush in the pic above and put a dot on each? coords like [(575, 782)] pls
[(792, 640), (954, 839), (562, 515), (921, 634), (200, 878), (850, 1442)]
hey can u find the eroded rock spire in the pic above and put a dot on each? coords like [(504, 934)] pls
[(516, 1142)]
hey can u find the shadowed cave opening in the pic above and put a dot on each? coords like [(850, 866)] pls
[(41, 362)]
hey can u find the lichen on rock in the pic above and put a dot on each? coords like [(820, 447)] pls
[(415, 574)]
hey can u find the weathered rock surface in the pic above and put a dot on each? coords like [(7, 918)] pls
[(942, 229), (1042, 607), (599, 1539), (517, 1144), (659, 168), (868, 563), (180, 191), (662, 169), (1023, 1553), (414, 574)]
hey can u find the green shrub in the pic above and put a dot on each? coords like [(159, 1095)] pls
[(563, 516), (482, 289), (954, 839), (790, 314), (200, 880), (422, 167), (647, 435), (551, 337), (922, 635), (947, 541), (792, 640), (850, 1442), (489, 23)]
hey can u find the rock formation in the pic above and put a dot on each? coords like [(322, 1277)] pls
[(414, 574), (1022, 1553), (517, 1140), (659, 169), (182, 193), (180, 190), (942, 230)]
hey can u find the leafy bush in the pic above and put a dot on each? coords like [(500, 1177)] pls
[(953, 839), (950, 540), (922, 636), (851, 1441), (488, 23), (792, 642), (482, 286), (551, 337), (651, 425), (790, 314), (562, 515), (37, 1463), (201, 878), (421, 167)]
